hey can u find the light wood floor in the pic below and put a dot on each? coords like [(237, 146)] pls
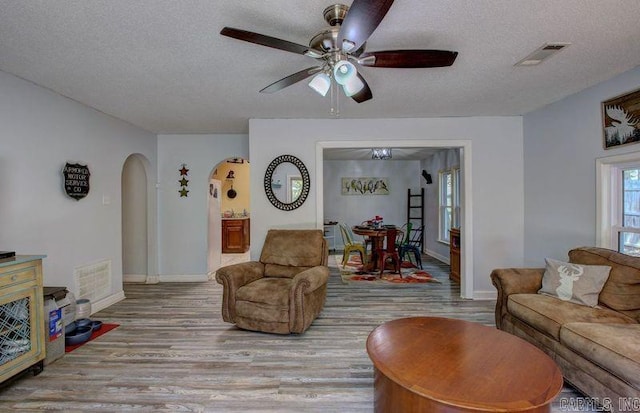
[(173, 353)]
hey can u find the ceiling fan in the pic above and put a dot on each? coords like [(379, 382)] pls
[(341, 46)]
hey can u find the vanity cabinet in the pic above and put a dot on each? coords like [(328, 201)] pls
[(22, 333), (235, 235)]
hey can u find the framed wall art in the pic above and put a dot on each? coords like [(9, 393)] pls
[(364, 186), (621, 119)]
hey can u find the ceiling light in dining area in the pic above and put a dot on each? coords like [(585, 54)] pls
[(381, 153)]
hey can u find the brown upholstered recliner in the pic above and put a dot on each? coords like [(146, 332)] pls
[(283, 292)]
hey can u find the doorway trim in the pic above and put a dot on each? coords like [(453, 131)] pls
[(466, 264)]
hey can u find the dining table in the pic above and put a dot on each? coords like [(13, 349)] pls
[(377, 236)]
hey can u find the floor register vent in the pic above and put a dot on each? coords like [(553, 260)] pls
[(94, 281)]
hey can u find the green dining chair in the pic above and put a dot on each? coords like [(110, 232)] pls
[(412, 246)]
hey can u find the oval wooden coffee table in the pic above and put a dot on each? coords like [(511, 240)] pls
[(431, 364)]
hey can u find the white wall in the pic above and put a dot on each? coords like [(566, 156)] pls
[(353, 209), (561, 143), (497, 168), (40, 132), (183, 221)]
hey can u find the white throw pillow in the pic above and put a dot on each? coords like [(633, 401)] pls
[(576, 283)]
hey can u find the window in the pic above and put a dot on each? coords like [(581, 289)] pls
[(455, 220), (449, 202), (294, 189), (627, 229), (618, 211)]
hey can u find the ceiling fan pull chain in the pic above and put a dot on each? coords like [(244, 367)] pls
[(335, 100)]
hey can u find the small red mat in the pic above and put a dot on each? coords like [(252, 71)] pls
[(104, 329)]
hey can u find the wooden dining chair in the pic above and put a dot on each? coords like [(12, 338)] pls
[(390, 252), (367, 241)]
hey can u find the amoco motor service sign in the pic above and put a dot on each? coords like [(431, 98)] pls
[(76, 180)]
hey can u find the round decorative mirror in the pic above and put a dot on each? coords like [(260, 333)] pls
[(286, 182)]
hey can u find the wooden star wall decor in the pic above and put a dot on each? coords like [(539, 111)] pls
[(184, 182)]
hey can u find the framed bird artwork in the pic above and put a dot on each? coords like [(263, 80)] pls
[(365, 186), (621, 119)]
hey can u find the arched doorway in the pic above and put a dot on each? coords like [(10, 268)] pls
[(135, 229), (229, 201)]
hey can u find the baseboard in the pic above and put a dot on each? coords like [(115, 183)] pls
[(134, 278), (437, 256), (176, 278), (107, 301), (477, 295), (170, 278), (485, 295)]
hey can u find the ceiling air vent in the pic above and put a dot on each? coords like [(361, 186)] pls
[(542, 53)]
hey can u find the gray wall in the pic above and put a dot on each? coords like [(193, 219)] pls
[(41, 131), (182, 221), (525, 207), (353, 209), (441, 161), (496, 159), (561, 143)]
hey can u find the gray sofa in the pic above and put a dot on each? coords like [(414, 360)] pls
[(597, 348)]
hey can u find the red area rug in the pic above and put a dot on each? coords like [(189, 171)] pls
[(103, 330), (353, 271)]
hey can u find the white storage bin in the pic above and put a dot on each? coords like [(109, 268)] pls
[(83, 308), (54, 331), (68, 306)]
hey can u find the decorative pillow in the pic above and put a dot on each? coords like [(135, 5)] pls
[(576, 283)]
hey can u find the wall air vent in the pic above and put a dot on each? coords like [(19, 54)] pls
[(542, 53), (93, 281)]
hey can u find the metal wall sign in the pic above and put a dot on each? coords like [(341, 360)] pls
[(76, 180)]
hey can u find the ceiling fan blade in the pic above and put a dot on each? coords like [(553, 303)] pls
[(408, 58), (364, 94), (362, 19), (291, 79), (269, 41)]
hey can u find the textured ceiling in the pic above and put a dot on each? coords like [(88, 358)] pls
[(162, 65)]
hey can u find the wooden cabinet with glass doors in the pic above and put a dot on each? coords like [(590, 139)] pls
[(22, 344), (454, 254)]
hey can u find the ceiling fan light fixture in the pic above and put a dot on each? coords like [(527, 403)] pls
[(348, 45), (315, 54), (343, 72), (320, 83), (341, 46), (353, 86)]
